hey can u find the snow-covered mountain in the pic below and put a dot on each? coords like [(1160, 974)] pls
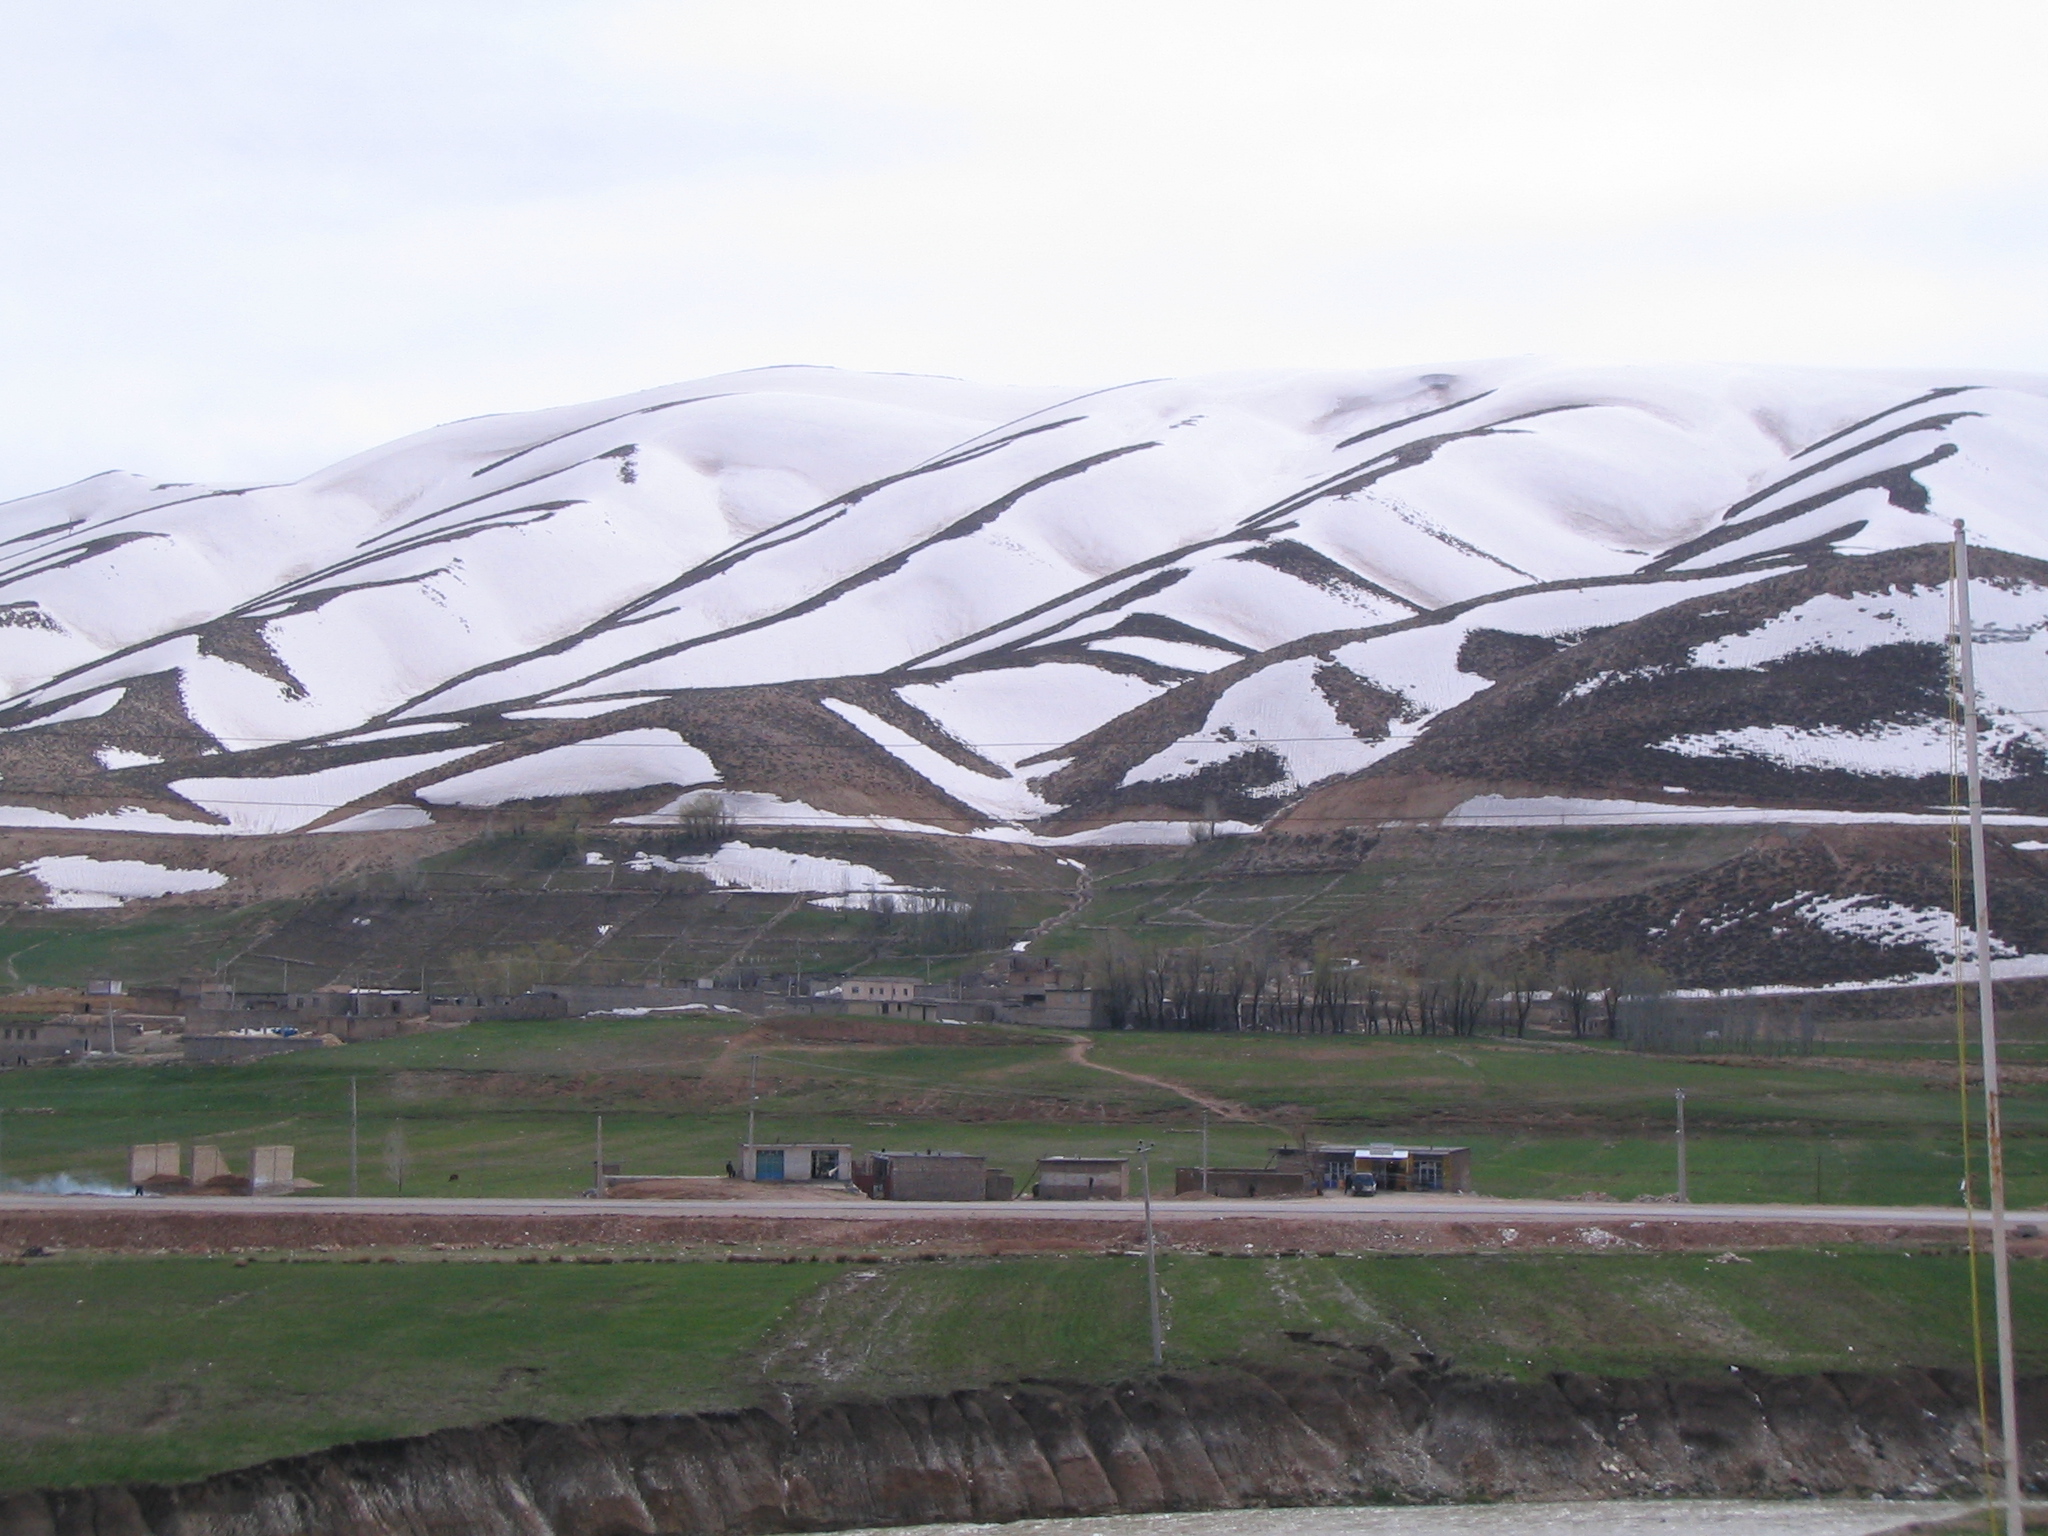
[(1034, 613)]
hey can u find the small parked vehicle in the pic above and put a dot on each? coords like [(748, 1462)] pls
[(1361, 1184)]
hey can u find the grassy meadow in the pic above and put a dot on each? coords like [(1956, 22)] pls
[(510, 1109), (165, 1368)]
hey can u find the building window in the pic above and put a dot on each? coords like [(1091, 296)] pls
[(824, 1163)]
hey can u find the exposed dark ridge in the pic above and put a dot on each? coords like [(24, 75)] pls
[(1293, 558), (959, 528), (489, 522), (879, 698), (1898, 484), (1891, 410), (1924, 424), (769, 538), (122, 517), (86, 551), (1158, 626), (645, 410), (27, 615), (242, 641), (40, 533), (1409, 421), (272, 605), (1369, 472), (275, 595), (467, 501)]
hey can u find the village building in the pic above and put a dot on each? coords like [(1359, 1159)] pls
[(795, 1162), (888, 997), (931, 1176), (1082, 1178)]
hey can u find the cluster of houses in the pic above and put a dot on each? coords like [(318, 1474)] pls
[(215, 1022), (1291, 1172), (197, 1023)]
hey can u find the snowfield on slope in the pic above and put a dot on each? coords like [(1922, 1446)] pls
[(1023, 566)]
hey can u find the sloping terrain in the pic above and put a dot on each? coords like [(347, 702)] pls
[(800, 600)]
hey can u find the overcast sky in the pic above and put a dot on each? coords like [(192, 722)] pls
[(243, 238)]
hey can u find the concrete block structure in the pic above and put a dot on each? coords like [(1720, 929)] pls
[(270, 1170), (1083, 1178), (796, 1162), (923, 1175)]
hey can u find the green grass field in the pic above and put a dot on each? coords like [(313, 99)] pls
[(166, 1368), (510, 1109)]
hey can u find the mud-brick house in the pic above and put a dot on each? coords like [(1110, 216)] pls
[(930, 1176), (1083, 1178)]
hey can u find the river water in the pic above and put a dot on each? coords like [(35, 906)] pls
[(1631, 1517)]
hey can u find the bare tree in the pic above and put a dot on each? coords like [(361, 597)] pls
[(397, 1160)]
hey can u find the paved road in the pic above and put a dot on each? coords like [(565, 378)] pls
[(1383, 1208)]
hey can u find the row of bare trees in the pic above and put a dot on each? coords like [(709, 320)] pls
[(1237, 990)]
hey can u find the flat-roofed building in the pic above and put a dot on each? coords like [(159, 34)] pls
[(924, 1175), (1083, 1178), (796, 1162)]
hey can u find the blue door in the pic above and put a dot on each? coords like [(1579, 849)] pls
[(768, 1165)]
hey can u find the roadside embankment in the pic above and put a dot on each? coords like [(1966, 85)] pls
[(1311, 1226), (1353, 1428)]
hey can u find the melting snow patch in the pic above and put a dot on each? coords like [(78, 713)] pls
[(1891, 750), (257, 806), (73, 880), (583, 709), (622, 760), (1566, 811), (1878, 921), (385, 818), (750, 808), (113, 758), (742, 866), (82, 709)]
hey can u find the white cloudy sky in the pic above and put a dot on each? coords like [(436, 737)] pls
[(244, 237)]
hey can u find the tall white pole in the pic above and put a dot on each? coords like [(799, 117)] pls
[(1684, 1194), (1987, 1021), (1205, 1151), (753, 1065), (353, 1190), (1151, 1255)]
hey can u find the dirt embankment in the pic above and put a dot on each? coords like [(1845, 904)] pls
[(1355, 1429)]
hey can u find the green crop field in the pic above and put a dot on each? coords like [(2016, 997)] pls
[(510, 1109), (167, 1368)]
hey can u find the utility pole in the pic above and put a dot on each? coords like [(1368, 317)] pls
[(1684, 1194), (1151, 1255), (1205, 1151), (1987, 1023), (753, 1066), (353, 1186), (598, 1187)]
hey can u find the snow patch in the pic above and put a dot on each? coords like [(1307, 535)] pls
[(743, 866), (113, 759), (385, 818), (1565, 811), (77, 881), (258, 807), (623, 760)]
